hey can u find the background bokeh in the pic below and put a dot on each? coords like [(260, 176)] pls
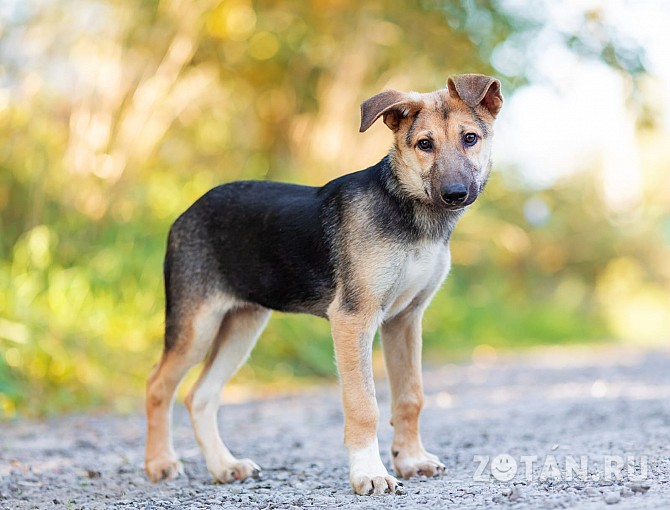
[(116, 115)]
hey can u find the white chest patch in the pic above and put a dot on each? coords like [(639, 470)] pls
[(421, 275)]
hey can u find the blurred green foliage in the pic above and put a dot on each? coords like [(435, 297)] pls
[(116, 116)]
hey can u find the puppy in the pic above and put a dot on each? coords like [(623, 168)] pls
[(366, 250)]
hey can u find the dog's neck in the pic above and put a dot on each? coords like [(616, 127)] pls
[(426, 220)]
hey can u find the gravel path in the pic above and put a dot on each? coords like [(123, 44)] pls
[(554, 405)]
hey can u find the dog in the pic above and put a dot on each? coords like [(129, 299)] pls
[(367, 250)]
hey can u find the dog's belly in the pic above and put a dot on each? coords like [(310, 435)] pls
[(422, 274)]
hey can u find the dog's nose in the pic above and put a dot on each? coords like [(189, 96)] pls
[(454, 194)]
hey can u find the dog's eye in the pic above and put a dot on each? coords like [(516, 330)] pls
[(470, 139), (425, 145)]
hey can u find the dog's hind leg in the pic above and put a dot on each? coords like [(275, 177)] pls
[(401, 343), (189, 335), (236, 337)]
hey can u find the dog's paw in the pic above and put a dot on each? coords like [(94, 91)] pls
[(421, 463), (236, 471), (376, 485), (163, 468), (367, 473)]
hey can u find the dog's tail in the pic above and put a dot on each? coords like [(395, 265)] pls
[(168, 263)]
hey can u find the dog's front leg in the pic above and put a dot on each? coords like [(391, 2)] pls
[(401, 343), (352, 336)]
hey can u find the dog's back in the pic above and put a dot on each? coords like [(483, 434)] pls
[(262, 242)]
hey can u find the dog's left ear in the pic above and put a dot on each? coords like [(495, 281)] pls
[(477, 89), (393, 105)]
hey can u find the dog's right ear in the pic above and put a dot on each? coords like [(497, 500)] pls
[(393, 105), (477, 90)]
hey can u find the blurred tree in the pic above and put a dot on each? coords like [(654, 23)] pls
[(115, 116)]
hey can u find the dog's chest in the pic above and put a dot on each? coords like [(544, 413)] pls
[(424, 269)]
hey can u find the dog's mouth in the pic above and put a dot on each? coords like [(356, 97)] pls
[(455, 207), (472, 197)]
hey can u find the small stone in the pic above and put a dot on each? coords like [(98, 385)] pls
[(612, 498), (592, 491), (516, 493), (639, 488)]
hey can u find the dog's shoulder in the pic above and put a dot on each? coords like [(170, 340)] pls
[(365, 204)]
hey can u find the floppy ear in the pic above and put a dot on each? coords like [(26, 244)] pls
[(477, 89), (393, 105)]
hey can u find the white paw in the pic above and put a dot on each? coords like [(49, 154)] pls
[(370, 485), (236, 471), (367, 474)]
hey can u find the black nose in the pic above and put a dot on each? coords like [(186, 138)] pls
[(454, 194)]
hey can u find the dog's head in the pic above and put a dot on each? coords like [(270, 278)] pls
[(443, 139)]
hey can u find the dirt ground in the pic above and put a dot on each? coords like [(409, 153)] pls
[(585, 427)]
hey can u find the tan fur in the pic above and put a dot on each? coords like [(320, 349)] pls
[(416, 178), (375, 267), (198, 330), (161, 459), (236, 337), (401, 341), (352, 337)]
